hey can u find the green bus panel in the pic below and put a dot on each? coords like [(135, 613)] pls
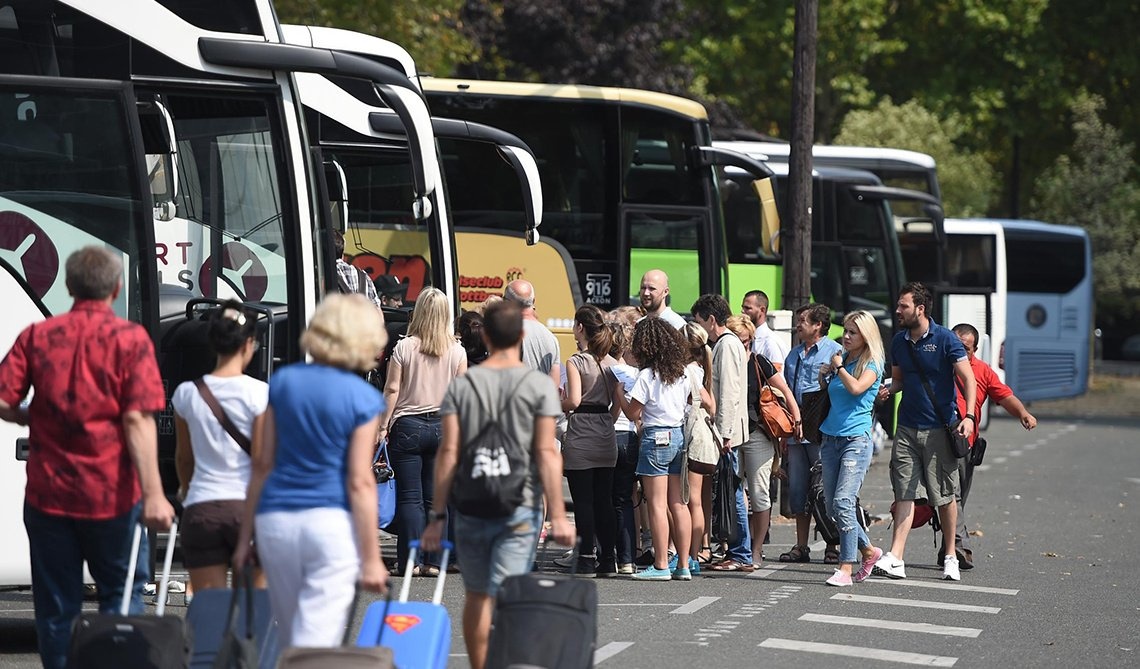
[(682, 266)]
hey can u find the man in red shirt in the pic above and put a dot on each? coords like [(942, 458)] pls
[(94, 448), (989, 386)]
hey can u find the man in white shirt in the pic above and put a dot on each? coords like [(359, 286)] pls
[(765, 342), (653, 294)]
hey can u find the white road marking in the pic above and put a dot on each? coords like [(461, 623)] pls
[(858, 651), (768, 571), (1136, 481), (945, 585), (926, 628), (1002, 460), (609, 650), (640, 604), (982, 468), (695, 605), (1015, 454), (917, 603)]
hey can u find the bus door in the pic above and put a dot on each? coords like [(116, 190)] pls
[(72, 177)]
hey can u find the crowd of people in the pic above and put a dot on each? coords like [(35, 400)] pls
[(482, 419)]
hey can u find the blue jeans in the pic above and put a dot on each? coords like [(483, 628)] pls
[(412, 446), (799, 461), (741, 549), (491, 549), (625, 477), (845, 463), (59, 546)]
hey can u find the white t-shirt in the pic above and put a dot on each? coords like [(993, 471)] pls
[(221, 467), (627, 374), (767, 344), (664, 404)]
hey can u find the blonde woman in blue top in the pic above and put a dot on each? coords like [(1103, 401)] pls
[(846, 450)]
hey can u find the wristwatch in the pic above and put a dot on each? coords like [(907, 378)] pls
[(437, 515)]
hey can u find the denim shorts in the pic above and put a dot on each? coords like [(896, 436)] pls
[(663, 460), (798, 465), (491, 549)]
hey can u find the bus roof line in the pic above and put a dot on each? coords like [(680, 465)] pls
[(673, 103), (394, 88)]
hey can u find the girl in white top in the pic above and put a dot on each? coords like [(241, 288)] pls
[(658, 400), (213, 470)]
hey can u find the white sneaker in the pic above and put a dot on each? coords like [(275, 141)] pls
[(890, 566), (950, 569)]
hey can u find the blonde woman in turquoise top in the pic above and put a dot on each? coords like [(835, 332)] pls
[(846, 450)]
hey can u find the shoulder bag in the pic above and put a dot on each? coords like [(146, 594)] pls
[(775, 419), (959, 444), (814, 407), (702, 440), (216, 408)]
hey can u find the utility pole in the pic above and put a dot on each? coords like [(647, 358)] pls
[(797, 229)]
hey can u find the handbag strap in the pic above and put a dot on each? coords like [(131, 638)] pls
[(227, 424), (694, 389), (929, 390)]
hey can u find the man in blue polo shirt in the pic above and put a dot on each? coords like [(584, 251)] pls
[(922, 453)]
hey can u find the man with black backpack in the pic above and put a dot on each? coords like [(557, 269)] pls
[(496, 460)]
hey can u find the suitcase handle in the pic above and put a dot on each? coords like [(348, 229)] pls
[(164, 584), (406, 585)]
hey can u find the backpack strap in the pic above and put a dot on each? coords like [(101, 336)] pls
[(227, 424)]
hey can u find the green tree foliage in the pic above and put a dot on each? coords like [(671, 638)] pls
[(429, 30), (1093, 186), (599, 42), (966, 179)]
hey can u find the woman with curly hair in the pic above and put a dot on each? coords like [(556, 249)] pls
[(423, 364), (658, 399)]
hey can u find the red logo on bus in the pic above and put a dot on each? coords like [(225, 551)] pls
[(33, 251), (237, 257)]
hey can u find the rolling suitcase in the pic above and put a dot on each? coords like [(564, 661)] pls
[(544, 620), (419, 633), (220, 616), (343, 656), (108, 641)]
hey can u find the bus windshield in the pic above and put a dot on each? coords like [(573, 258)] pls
[(67, 182)]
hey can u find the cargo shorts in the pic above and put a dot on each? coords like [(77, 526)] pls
[(926, 458)]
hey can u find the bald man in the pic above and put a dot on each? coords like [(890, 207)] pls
[(539, 346), (653, 294)]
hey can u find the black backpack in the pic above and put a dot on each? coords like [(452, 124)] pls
[(493, 467)]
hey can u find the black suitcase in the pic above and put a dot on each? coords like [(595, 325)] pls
[(108, 641), (544, 621)]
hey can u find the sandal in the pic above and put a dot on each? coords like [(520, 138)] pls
[(429, 570), (831, 556), (704, 556), (733, 565), (799, 553)]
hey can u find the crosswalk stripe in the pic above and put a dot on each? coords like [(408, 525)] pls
[(861, 652), (902, 626), (917, 603), (944, 585), (695, 605), (609, 650)]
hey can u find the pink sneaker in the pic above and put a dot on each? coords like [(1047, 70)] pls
[(839, 579), (868, 565)]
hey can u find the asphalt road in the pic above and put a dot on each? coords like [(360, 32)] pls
[(1052, 586)]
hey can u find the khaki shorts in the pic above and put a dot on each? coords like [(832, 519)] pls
[(756, 468), (924, 457)]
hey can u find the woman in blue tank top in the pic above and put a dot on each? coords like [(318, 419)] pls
[(312, 494), (846, 450)]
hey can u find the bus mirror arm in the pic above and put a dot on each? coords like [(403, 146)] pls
[(706, 156)]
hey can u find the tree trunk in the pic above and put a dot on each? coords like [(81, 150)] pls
[(797, 228)]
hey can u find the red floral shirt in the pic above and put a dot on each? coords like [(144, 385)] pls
[(88, 368), (989, 385)]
